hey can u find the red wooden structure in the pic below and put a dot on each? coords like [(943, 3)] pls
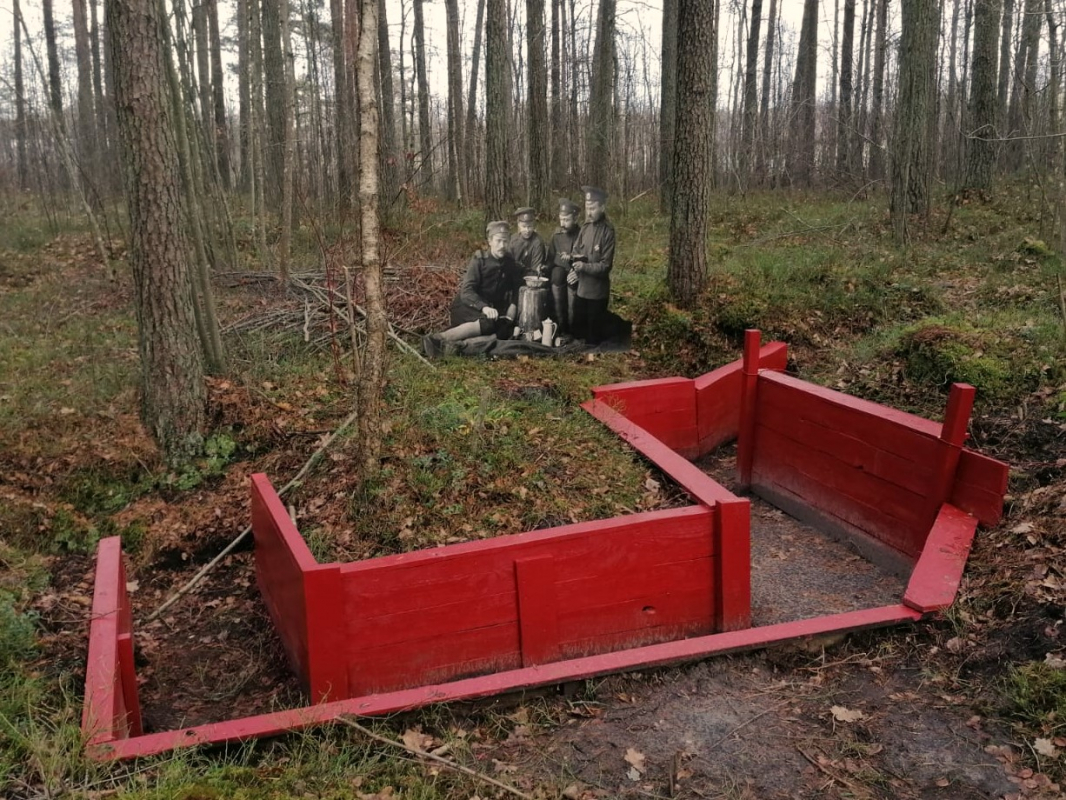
[(542, 607)]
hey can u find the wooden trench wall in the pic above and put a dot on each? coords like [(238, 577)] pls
[(478, 618)]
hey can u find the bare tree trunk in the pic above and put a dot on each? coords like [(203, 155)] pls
[(20, 104), (221, 132), (244, 96), (203, 75), (372, 379), (981, 150), (55, 88), (844, 112), (1024, 78), (1055, 151), (471, 102), (171, 363), (456, 173), (86, 113), (289, 143), (692, 153), (497, 109), (751, 96), (952, 118), (1003, 83), (668, 104), (601, 98), (802, 125), (340, 105), (764, 104), (877, 113), (558, 121), (388, 146), (274, 79), (537, 113), (425, 141), (911, 147)]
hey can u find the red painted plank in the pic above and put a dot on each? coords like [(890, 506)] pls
[(733, 541), (748, 393), (853, 452), (905, 435), (692, 480), (537, 613), (326, 620), (128, 682), (980, 484), (937, 574), (952, 435), (103, 695), (560, 671), (281, 556), (665, 407), (778, 454)]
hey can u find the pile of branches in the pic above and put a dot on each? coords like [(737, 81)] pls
[(327, 308)]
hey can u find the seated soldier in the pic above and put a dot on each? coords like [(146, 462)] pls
[(592, 260), (527, 247), (559, 251), (488, 294)]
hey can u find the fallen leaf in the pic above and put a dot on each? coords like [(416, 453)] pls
[(414, 739), (943, 782), (1023, 527), (1054, 661), (843, 714), (1045, 747), (635, 758), (633, 774), (132, 586)]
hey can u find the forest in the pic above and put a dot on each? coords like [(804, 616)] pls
[(228, 225)]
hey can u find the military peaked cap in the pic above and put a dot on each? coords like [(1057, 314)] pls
[(497, 227), (526, 214), (594, 193), (567, 206)]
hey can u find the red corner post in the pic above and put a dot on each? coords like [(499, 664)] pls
[(952, 437), (749, 385), (732, 540)]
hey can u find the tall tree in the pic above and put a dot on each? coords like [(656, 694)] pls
[(425, 141), (751, 97), (340, 104), (844, 110), (538, 107), (244, 95), (55, 87), (372, 365), (172, 403), (764, 101), (388, 146), (911, 148), (497, 109), (981, 147), (288, 156), (20, 103), (601, 98), (469, 157), (559, 143), (1024, 85), (218, 90), (455, 104), (274, 84), (692, 151), (86, 111), (802, 113), (667, 104), (877, 101), (1003, 83)]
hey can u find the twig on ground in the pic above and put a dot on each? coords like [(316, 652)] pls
[(199, 576), (446, 762), (832, 775)]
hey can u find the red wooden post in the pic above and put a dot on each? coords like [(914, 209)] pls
[(538, 620), (327, 666), (952, 436), (746, 434), (732, 539)]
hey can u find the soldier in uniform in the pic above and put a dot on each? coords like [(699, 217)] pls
[(592, 260), (526, 246), (488, 294), (559, 251)]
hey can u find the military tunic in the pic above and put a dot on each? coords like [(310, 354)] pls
[(595, 241), (531, 254), (489, 281)]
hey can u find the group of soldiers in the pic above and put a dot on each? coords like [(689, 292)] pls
[(576, 263)]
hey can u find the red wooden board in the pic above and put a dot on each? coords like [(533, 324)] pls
[(980, 483), (511, 680), (664, 407), (434, 614), (937, 574)]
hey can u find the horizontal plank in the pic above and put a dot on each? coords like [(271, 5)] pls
[(779, 455), (268, 508), (937, 574), (472, 688), (979, 487), (688, 477), (853, 452), (906, 435), (665, 408)]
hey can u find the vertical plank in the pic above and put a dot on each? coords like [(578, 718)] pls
[(327, 668), (98, 723), (128, 678), (732, 533), (952, 436), (538, 619), (746, 434)]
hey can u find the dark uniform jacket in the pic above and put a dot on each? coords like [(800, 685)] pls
[(488, 282), (563, 241), (595, 241), (531, 254)]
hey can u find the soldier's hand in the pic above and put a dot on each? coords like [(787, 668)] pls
[(564, 257), (489, 312), (571, 278)]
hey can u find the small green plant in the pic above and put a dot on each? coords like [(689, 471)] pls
[(1037, 692), (218, 452)]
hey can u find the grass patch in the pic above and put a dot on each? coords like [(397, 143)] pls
[(1037, 695)]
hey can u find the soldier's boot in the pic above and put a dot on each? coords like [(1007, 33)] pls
[(561, 310)]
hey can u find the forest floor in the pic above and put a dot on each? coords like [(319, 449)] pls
[(968, 705)]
